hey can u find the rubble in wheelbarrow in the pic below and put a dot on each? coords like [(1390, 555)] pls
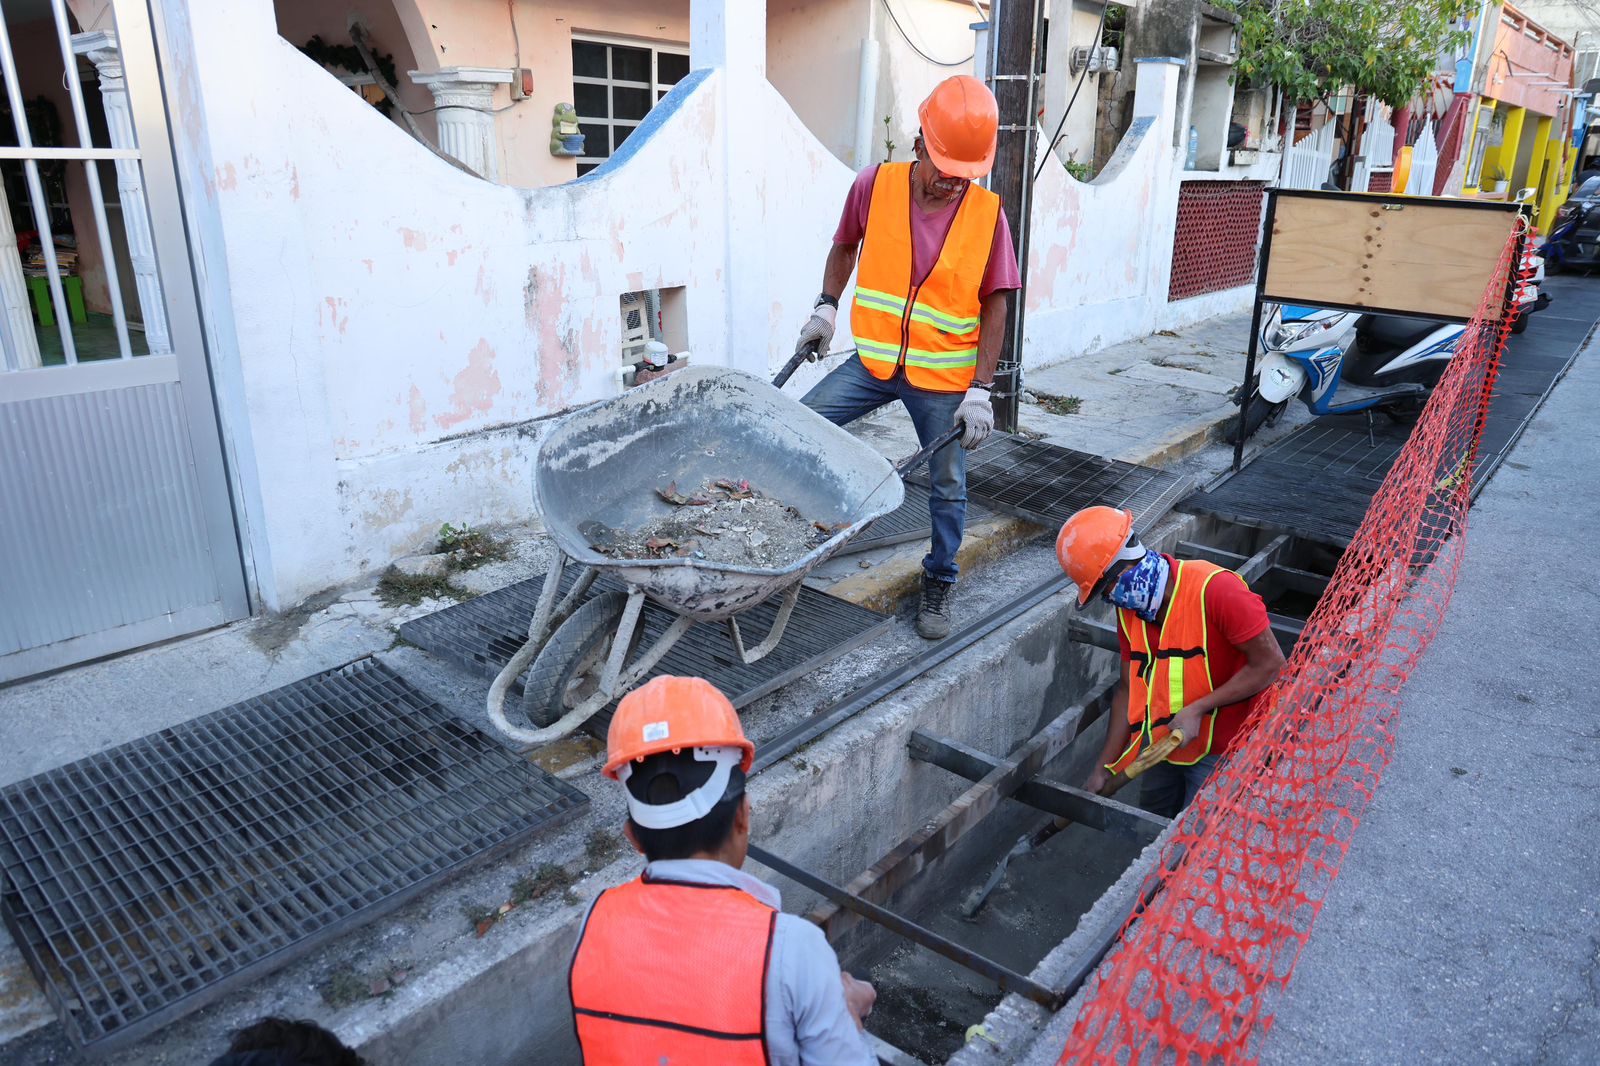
[(724, 521)]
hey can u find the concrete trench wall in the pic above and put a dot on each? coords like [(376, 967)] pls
[(835, 807)]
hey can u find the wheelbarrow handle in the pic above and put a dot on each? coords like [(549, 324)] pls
[(803, 355), (905, 466)]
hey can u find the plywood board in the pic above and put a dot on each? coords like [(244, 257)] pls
[(1426, 256)]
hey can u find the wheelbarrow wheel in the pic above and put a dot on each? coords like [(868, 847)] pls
[(567, 670)]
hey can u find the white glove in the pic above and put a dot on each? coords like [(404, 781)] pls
[(976, 414), (819, 327)]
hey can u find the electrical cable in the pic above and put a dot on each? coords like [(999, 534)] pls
[(919, 51), (1055, 138)]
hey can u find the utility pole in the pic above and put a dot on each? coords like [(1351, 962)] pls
[(1015, 29)]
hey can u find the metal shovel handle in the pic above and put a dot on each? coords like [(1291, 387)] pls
[(905, 466), (802, 355)]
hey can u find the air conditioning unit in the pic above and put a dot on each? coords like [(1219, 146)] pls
[(1098, 60)]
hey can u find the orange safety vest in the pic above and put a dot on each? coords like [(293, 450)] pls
[(1177, 673), (930, 329), (672, 973)]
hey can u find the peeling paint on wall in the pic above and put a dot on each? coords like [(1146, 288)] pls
[(475, 387)]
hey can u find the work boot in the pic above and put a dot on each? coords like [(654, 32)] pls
[(933, 613)]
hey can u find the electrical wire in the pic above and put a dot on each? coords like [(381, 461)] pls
[(516, 72), (1055, 138), (919, 51)]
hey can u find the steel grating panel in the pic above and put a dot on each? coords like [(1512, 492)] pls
[(906, 523), (483, 633), (1318, 481), (144, 882), (1046, 483)]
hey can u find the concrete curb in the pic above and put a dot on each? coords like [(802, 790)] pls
[(898, 579)]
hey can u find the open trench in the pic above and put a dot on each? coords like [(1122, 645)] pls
[(927, 1003)]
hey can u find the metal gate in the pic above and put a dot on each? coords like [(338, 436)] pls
[(116, 525)]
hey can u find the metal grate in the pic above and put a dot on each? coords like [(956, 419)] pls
[(908, 522), (1046, 483), (148, 880), (483, 633), (1214, 246), (1318, 482)]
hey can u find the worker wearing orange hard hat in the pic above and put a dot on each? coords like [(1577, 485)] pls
[(692, 961), (1197, 648), (936, 268)]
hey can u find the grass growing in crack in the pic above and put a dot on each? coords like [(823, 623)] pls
[(396, 589), (1060, 405), (474, 545), (343, 987), (601, 847), (547, 879)]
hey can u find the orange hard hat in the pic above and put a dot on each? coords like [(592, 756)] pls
[(673, 714), (959, 119), (1090, 541)]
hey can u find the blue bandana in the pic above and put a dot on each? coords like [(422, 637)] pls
[(1139, 588)]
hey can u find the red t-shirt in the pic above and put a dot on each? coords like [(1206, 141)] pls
[(1234, 616), (928, 229)]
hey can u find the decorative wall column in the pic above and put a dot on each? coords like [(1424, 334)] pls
[(22, 344), (101, 48), (465, 96)]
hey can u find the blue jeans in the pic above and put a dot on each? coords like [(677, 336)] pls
[(850, 392), (1166, 789)]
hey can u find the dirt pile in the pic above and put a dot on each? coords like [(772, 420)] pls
[(725, 522)]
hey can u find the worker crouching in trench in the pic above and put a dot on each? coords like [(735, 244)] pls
[(1197, 651)]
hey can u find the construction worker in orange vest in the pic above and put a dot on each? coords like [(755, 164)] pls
[(1197, 648), (692, 962), (932, 285)]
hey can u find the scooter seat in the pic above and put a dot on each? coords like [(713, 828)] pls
[(1393, 331)]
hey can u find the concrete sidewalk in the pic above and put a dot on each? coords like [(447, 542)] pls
[(1463, 927)]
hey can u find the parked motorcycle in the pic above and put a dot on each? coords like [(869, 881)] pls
[(1574, 241)]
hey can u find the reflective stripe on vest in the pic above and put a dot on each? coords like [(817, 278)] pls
[(1163, 681), (671, 972), (931, 329)]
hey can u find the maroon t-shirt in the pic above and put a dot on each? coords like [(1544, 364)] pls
[(928, 229), (1234, 616)]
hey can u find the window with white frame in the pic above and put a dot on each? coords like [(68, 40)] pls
[(615, 83)]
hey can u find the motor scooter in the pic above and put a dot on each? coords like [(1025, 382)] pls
[(1345, 362)]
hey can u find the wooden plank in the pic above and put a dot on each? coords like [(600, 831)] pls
[(1063, 801), (1093, 633), (914, 854), (1263, 560), (1189, 549), (1413, 255), (1293, 579)]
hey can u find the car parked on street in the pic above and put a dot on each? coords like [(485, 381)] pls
[(1574, 242)]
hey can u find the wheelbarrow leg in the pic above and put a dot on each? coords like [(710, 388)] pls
[(546, 615), (762, 650), (621, 642), (528, 739)]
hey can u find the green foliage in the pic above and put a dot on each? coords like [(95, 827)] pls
[(1311, 48), (348, 57), (1081, 171), (888, 144)]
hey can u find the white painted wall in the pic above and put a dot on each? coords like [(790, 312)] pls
[(1072, 25), (397, 324), (387, 332), (942, 29)]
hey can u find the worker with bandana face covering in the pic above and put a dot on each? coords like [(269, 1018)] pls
[(1196, 647)]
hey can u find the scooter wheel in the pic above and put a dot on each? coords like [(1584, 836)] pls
[(1258, 413)]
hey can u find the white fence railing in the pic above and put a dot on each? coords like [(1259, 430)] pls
[(1306, 163), (1377, 146), (1424, 164)]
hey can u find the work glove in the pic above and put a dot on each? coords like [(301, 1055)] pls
[(976, 415), (818, 328)]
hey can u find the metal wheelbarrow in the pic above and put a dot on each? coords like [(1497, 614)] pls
[(601, 466)]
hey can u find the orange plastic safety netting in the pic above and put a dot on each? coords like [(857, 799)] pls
[(1249, 863)]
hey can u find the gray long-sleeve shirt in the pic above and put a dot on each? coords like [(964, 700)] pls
[(807, 1021)]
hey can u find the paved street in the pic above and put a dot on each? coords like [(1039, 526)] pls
[(1463, 927)]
